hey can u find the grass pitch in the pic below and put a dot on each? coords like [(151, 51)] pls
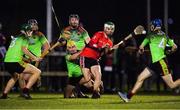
[(56, 101)]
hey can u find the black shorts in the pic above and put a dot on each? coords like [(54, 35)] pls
[(14, 67), (74, 80), (161, 67), (88, 62)]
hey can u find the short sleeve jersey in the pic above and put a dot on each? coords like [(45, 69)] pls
[(73, 67), (157, 44), (15, 53), (78, 36), (97, 42), (36, 42)]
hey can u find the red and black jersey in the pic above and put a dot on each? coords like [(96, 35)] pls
[(97, 42)]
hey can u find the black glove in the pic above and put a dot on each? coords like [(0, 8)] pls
[(168, 52), (60, 40)]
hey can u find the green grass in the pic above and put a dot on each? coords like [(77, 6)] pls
[(56, 101)]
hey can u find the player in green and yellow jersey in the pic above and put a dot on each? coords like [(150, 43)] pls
[(15, 65), (38, 44), (78, 34), (157, 41), (75, 76)]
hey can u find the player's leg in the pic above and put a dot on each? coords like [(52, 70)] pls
[(86, 74), (143, 75), (166, 75), (84, 64), (79, 81), (35, 73), (9, 85), (13, 68), (23, 78), (85, 83), (101, 87), (68, 91), (88, 84), (73, 88), (169, 81), (96, 71), (85, 69), (22, 82)]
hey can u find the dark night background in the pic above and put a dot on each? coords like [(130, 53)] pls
[(126, 14)]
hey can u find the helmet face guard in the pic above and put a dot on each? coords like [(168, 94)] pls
[(32, 21), (109, 28), (34, 24), (74, 20), (74, 16), (109, 25), (26, 29)]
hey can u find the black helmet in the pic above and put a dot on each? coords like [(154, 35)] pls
[(31, 21), (26, 27)]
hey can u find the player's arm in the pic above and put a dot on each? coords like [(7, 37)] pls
[(74, 56), (86, 37), (46, 47), (87, 40), (143, 44), (62, 39), (60, 42), (173, 46), (29, 54)]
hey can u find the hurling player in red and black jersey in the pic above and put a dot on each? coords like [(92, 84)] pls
[(100, 43)]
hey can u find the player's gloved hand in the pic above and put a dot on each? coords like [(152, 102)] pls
[(124, 43), (168, 52), (61, 40), (141, 50)]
